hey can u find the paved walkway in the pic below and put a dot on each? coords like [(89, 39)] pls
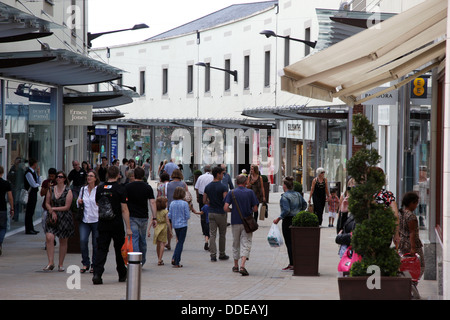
[(22, 278)]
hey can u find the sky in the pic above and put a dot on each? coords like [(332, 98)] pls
[(160, 16)]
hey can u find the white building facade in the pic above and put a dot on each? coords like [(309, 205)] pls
[(305, 133), (172, 86)]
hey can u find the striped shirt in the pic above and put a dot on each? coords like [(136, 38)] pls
[(333, 204)]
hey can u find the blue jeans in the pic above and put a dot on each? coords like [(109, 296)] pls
[(181, 236), (85, 231), (139, 229)]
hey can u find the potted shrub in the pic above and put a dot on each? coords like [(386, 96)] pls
[(298, 187), (375, 227), (305, 235)]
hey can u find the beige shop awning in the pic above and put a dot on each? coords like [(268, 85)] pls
[(412, 40)]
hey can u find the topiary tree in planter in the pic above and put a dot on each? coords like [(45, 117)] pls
[(375, 224), (305, 219), (305, 239)]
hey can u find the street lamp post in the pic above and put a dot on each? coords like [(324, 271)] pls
[(92, 36), (234, 73), (270, 33)]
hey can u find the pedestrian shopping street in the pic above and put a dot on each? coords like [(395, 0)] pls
[(23, 258)]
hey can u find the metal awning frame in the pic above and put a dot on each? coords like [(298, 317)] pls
[(412, 40)]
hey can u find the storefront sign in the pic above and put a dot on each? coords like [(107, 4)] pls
[(388, 98), (297, 129), (420, 92), (39, 114), (419, 88), (78, 115), (114, 146)]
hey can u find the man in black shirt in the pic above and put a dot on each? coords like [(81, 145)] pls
[(140, 194), (112, 229), (103, 169), (78, 178)]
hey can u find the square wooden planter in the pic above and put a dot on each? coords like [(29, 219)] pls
[(391, 288), (305, 250)]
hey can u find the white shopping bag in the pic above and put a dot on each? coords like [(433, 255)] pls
[(274, 237)]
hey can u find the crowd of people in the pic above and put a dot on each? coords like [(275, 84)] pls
[(114, 201)]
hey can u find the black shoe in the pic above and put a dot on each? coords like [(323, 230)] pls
[(224, 257), (123, 278), (213, 259), (31, 232), (96, 279)]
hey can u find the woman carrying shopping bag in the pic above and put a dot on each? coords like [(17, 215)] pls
[(291, 203)]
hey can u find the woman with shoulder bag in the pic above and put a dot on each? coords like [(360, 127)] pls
[(59, 222), (89, 220), (255, 183), (291, 203)]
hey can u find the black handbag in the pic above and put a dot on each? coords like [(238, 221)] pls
[(80, 212), (250, 224)]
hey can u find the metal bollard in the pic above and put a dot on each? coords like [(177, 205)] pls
[(134, 276)]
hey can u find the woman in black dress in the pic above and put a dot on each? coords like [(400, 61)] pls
[(319, 193)]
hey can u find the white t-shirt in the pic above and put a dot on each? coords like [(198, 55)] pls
[(203, 181)]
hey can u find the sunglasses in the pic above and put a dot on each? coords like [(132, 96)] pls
[(62, 177)]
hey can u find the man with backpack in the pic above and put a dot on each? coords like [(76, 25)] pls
[(111, 198)]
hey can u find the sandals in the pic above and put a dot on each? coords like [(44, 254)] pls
[(240, 270), (84, 269), (49, 267), (160, 263), (243, 271)]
